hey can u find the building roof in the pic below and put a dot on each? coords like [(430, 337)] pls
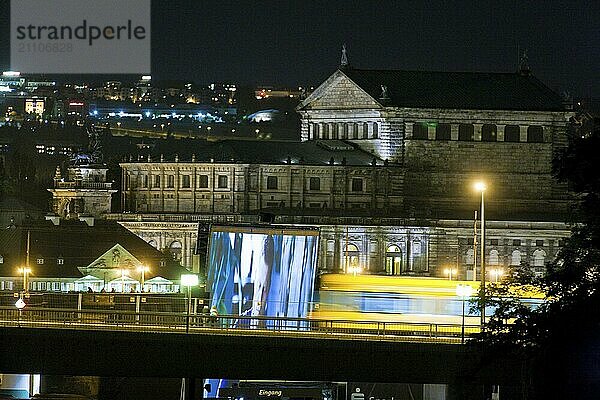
[(267, 152), (78, 245), (457, 90)]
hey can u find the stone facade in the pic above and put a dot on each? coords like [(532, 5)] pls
[(84, 191), (409, 211)]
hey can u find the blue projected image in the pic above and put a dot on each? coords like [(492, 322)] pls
[(262, 271)]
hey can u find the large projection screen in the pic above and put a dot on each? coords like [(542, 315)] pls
[(262, 271)]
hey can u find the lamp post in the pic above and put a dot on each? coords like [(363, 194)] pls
[(463, 291), (25, 271), (496, 273), (123, 270), (481, 187), (188, 280), (142, 270), (450, 271)]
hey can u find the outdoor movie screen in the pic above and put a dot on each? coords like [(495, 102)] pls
[(262, 271)]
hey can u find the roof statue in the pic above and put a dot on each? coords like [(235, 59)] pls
[(344, 59), (384, 93), (524, 64)]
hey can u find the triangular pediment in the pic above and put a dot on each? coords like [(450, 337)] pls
[(339, 92), (110, 264)]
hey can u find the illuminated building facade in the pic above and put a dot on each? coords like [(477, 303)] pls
[(385, 168)]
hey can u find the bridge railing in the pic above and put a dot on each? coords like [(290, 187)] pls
[(180, 322)]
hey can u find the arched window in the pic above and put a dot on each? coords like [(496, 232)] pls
[(488, 133), (466, 132), (365, 131), (171, 181), (393, 260), (1, 259), (494, 257), (512, 133), (375, 130), (152, 243), (443, 132), (535, 134), (469, 259), (176, 250), (351, 258), (539, 258), (515, 258)]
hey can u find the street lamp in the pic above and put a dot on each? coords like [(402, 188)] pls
[(496, 273), (450, 271), (142, 269), (123, 274), (481, 187), (463, 291), (189, 280), (25, 271)]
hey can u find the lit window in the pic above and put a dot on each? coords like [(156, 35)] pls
[(171, 181), (40, 261), (539, 258), (494, 259), (393, 260), (60, 261), (515, 259), (157, 181)]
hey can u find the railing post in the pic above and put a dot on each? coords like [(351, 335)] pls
[(79, 305), (138, 299)]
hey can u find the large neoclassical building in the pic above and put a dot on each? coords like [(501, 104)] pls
[(385, 169)]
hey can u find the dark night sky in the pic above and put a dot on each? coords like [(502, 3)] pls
[(280, 42)]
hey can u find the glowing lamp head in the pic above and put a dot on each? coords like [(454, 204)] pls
[(20, 304), (480, 186), (464, 290)]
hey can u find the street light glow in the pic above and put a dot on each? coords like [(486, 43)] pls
[(480, 186)]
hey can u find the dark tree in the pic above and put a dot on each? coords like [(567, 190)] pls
[(560, 340)]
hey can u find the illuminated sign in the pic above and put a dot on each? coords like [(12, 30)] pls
[(269, 393), (260, 271), (11, 73), (76, 104)]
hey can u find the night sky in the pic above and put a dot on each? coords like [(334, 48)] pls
[(289, 43)]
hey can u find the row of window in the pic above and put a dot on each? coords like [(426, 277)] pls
[(39, 260), (154, 181), (514, 259), (513, 242), (489, 132), (343, 130), (314, 183)]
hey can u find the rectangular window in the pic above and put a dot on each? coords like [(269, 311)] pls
[(420, 130), (185, 181), (203, 181), (494, 242), (539, 243), (222, 182), (271, 182), (145, 181), (443, 132), (315, 183), (157, 181), (40, 261), (516, 242), (357, 184), (466, 132), (60, 261), (171, 181)]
